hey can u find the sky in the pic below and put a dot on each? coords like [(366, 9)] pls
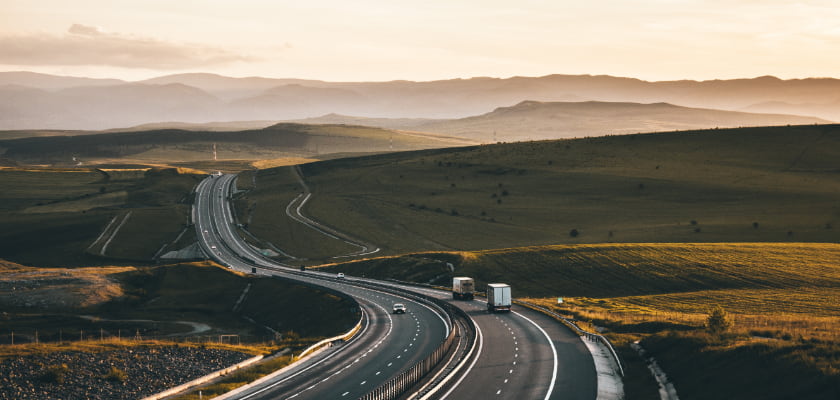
[(371, 40)]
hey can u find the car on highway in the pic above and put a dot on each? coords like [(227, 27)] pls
[(213, 247), (340, 275), (399, 308)]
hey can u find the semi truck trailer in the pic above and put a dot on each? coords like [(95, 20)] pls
[(463, 288), (498, 297)]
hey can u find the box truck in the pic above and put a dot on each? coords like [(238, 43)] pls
[(463, 288), (498, 297)]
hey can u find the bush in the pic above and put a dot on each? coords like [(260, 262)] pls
[(55, 373), (574, 233), (718, 321), (116, 375)]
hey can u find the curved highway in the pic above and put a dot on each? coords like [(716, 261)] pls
[(388, 345), (519, 355)]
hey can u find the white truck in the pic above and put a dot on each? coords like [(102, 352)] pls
[(498, 297), (463, 288)]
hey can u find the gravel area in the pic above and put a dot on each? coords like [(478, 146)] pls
[(86, 376)]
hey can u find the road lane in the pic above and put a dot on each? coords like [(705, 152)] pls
[(390, 344)]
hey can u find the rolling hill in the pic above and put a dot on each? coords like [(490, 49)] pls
[(531, 120), (173, 145), (774, 184)]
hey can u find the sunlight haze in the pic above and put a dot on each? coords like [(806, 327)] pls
[(387, 40)]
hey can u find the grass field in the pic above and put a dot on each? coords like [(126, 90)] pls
[(53, 217), (165, 146), (739, 185), (783, 300), (264, 212)]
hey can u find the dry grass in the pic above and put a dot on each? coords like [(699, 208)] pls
[(59, 287), (281, 162), (108, 344), (613, 312)]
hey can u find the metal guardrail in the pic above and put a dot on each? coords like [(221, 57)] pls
[(401, 384), (344, 337), (572, 325)]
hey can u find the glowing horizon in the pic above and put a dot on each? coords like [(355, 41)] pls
[(369, 40)]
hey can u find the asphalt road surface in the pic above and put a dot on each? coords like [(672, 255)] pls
[(522, 355)]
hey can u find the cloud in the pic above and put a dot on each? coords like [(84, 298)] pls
[(87, 45), (85, 30)]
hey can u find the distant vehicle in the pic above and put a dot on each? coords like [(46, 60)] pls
[(302, 268), (340, 275), (399, 308), (463, 288), (213, 247), (498, 297)]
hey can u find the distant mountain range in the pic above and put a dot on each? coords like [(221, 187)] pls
[(37, 101)]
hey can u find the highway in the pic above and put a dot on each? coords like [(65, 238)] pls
[(388, 344), (520, 355)]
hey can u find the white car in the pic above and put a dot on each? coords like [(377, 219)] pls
[(340, 275), (399, 308)]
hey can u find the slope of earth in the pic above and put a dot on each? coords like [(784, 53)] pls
[(83, 217), (167, 146), (738, 185)]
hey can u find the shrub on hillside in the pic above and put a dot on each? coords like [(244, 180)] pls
[(116, 375), (55, 373), (718, 321)]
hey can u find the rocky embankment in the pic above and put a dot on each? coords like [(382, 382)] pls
[(130, 373)]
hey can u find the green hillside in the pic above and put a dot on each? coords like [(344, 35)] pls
[(738, 185), (169, 146), (56, 217)]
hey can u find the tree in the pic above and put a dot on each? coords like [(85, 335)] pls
[(718, 321)]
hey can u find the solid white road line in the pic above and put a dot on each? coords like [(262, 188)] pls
[(553, 351)]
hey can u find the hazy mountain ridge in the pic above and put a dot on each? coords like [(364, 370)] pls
[(532, 120), (38, 101)]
